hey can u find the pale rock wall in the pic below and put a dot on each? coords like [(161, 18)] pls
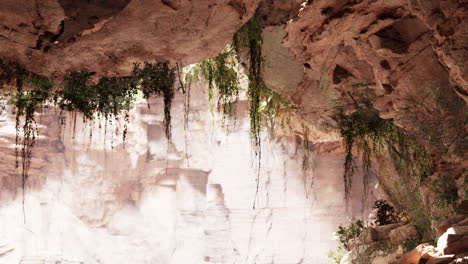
[(87, 202)]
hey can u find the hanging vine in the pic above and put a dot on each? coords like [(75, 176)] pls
[(367, 133), (157, 79), (31, 92)]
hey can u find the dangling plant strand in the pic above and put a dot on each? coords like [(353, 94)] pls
[(27, 102), (189, 77), (249, 39), (113, 96), (373, 136), (157, 79), (219, 72), (264, 104), (306, 159)]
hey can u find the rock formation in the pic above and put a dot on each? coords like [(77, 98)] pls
[(400, 63), (107, 37)]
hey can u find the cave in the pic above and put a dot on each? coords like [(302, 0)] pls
[(242, 131)]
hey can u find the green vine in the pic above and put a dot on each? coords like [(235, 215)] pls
[(249, 39), (157, 79), (373, 136), (27, 102), (109, 97)]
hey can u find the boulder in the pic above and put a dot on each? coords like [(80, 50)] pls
[(378, 233), (456, 244), (454, 240), (415, 255), (462, 208), (450, 221), (401, 234)]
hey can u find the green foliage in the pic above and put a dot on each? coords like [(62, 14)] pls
[(108, 98), (220, 72), (347, 234), (112, 96), (27, 102), (336, 256), (249, 39), (385, 213), (157, 80), (365, 129), (377, 137)]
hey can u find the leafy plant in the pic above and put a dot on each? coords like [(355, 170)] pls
[(249, 39), (220, 72), (336, 256), (347, 234), (32, 91), (112, 96), (385, 213), (374, 137), (157, 79), (365, 129)]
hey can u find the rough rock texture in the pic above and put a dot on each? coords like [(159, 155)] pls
[(401, 234), (280, 71), (51, 36), (88, 202), (452, 245), (395, 47)]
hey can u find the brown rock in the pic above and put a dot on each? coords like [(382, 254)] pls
[(440, 259), (109, 36), (452, 220), (399, 235), (462, 208), (415, 255), (393, 46), (383, 232), (454, 240), (456, 244)]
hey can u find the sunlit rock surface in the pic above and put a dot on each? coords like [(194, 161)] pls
[(89, 200)]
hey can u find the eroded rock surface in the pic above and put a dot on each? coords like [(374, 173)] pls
[(51, 36), (395, 47)]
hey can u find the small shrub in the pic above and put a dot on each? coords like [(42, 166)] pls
[(347, 234), (385, 213)]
